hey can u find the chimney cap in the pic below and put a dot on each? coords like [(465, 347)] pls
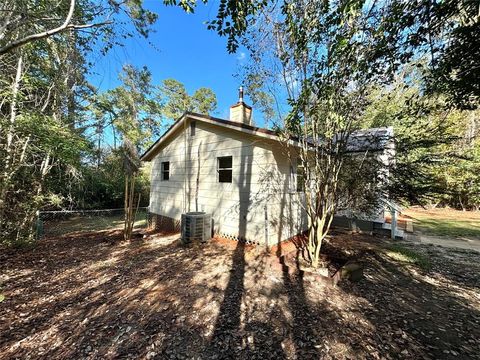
[(240, 101)]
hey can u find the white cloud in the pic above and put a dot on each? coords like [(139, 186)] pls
[(241, 56)]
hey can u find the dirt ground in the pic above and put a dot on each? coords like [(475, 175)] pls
[(88, 297)]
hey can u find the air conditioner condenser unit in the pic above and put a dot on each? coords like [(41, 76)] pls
[(196, 226)]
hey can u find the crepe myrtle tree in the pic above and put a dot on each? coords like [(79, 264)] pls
[(131, 167), (331, 176), (316, 57)]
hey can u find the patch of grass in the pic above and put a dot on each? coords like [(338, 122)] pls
[(446, 222), (22, 244), (407, 255), (94, 222), (451, 228)]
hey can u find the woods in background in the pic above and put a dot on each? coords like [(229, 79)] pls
[(438, 146), (60, 136)]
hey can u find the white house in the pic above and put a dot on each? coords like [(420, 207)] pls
[(239, 173)]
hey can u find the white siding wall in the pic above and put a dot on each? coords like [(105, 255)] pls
[(260, 204)]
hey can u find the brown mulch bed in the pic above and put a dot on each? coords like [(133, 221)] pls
[(86, 296)]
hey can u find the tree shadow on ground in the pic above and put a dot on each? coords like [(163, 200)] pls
[(225, 336), (303, 336), (413, 316), (100, 309), (240, 333), (156, 299)]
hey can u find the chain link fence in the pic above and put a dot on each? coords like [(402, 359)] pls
[(108, 222)]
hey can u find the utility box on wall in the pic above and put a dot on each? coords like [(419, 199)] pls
[(196, 226)]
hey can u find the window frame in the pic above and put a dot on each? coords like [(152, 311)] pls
[(164, 172), (299, 177), (222, 169)]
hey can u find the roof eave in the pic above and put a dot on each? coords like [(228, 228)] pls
[(149, 154)]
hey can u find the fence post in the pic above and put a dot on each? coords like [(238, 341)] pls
[(38, 226)]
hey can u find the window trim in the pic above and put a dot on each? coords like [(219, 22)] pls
[(164, 172), (219, 169)]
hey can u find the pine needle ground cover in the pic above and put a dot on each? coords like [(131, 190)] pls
[(84, 296)]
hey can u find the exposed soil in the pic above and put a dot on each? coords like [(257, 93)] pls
[(86, 296), (331, 259)]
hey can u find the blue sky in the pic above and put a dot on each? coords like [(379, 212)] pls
[(181, 48)]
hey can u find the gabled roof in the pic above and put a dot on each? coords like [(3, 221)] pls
[(361, 140), (248, 129)]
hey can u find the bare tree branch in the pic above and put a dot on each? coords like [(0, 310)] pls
[(27, 39), (86, 26)]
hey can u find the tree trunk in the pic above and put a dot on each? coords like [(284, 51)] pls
[(125, 207), (9, 151), (461, 203), (129, 206)]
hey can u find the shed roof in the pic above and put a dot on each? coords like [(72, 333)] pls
[(374, 139)]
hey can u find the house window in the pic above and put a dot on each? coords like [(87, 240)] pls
[(193, 125), (224, 169), (165, 170), (300, 177)]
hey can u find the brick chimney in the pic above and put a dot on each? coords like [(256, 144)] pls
[(241, 112)]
